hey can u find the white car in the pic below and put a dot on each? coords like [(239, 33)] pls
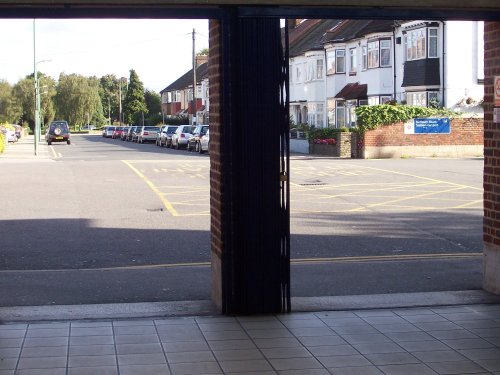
[(204, 144), (10, 135), (181, 136)]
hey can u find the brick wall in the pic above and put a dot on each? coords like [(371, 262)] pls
[(491, 228), (216, 193), (465, 139)]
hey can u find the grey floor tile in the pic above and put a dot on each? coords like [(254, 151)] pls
[(49, 325), (489, 364), (77, 350), (12, 334), (438, 326), (356, 330), (344, 361), (11, 343), (325, 351), (91, 331), (85, 324), (311, 331), (298, 352), (420, 346), (269, 333), (9, 352), (215, 319), (185, 346), (304, 323), (439, 356), (464, 316), (8, 327), (215, 326), (45, 341), (260, 318), (484, 353), (309, 371), (344, 322), (144, 370), (295, 363), (238, 355), (366, 338), (322, 340), (190, 357), (384, 320), (141, 359), (135, 330), (494, 340), (369, 313), (391, 359), (486, 332), (41, 351), (98, 370), (139, 348), (452, 334), (266, 324), (248, 366), (42, 363), (174, 321), (410, 369), (195, 368), (54, 332), (283, 342), (137, 339), (231, 344), (91, 360), (8, 363), (459, 367), (190, 336), (335, 314), (8, 372), (91, 340), (409, 336), (469, 324), (364, 370), (378, 348), (390, 328), (135, 322), (270, 372), (414, 311), (426, 318), (451, 309), (468, 344), (51, 371)]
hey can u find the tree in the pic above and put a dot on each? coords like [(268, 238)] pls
[(109, 90), (135, 104), (10, 109), (78, 100)]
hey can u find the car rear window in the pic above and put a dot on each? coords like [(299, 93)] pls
[(188, 129), (171, 130), (151, 128), (111, 128)]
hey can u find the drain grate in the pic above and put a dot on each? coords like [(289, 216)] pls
[(154, 209)]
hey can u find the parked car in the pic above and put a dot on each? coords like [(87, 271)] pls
[(58, 131), (135, 133), (9, 133), (194, 142), (124, 135), (107, 131), (181, 136), (147, 134), (204, 143), (164, 137), (117, 132), (129, 134)]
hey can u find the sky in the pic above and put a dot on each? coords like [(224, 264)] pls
[(160, 51)]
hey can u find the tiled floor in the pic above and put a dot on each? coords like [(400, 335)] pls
[(444, 340)]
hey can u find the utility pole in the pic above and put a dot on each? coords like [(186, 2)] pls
[(194, 76), (109, 111), (37, 105), (120, 93)]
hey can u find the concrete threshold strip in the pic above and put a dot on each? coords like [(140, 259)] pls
[(306, 261), (206, 308)]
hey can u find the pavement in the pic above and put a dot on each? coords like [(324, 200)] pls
[(411, 333)]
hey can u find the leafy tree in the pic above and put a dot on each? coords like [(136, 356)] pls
[(135, 104), (78, 100), (10, 108), (24, 94), (153, 102), (110, 90)]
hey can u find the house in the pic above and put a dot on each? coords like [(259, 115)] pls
[(368, 62), (177, 98)]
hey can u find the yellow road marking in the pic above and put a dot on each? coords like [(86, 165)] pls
[(304, 261), (163, 199)]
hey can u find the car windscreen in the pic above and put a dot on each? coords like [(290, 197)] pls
[(171, 130)]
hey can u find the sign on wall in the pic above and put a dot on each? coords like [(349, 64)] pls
[(428, 126), (496, 90)]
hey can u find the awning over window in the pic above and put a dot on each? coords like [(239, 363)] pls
[(353, 91)]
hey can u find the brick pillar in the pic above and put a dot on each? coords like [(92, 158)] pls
[(491, 226), (248, 223)]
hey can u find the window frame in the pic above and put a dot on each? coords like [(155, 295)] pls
[(353, 64), (340, 56), (373, 54), (435, 39)]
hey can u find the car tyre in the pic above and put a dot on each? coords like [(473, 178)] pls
[(188, 146), (177, 145), (68, 142), (200, 150), (49, 143)]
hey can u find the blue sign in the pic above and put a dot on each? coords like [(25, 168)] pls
[(432, 125)]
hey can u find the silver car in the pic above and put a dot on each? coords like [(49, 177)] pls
[(181, 136), (204, 143), (147, 134), (164, 137)]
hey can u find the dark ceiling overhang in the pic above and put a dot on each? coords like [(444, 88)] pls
[(353, 91)]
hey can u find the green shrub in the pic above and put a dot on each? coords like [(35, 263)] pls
[(317, 134), (372, 116)]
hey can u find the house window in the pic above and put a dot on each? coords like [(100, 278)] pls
[(315, 112), (373, 54), (433, 43), (385, 52), (340, 61), (319, 69), (351, 113), (340, 114), (416, 44), (298, 73), (331, 112), (373, 100), (384, 99), (416, 99), (364, 53), (352, 61)]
